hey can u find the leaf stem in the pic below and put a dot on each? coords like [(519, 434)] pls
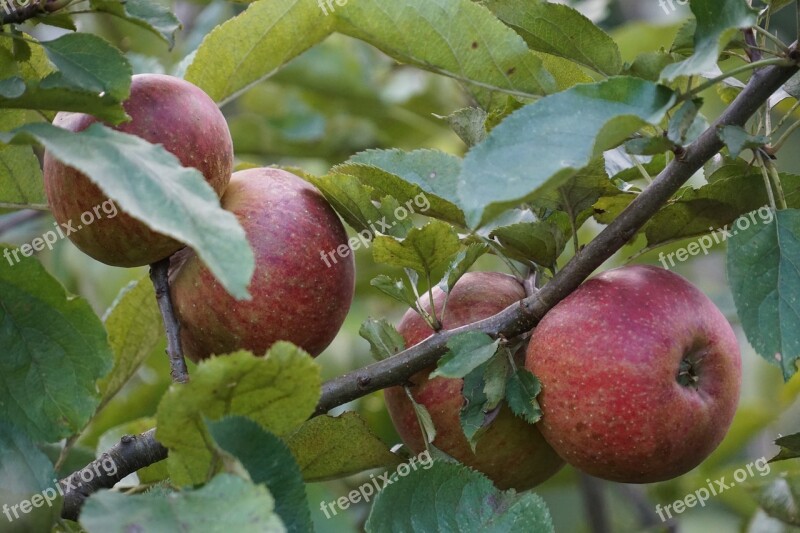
[(775, 61), (785, 136), (767, 185)]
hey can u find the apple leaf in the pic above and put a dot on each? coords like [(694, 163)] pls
[(469, 124), (495, 377), (24, 472), (150, 184), (541, 242), (780, 498), (269, 461), (134, 330), (350, 198), (94, 78), (560, 30), (451, 497), (384, 340), (521, 391), (466, 352), (682, 121), (460, 264), (737, 139), (279, 391), (54, 349), (424, 181), (717, 22), (457, 38), (474, 416), (396, 289), (226, 503), (423, 250), (546, 142), (790, 447), (328, 447), (20, 177), (763, 273), (146, 14)]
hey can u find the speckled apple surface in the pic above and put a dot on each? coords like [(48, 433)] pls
[(296, 297), (618, 402), (164, 110), (512, 453)]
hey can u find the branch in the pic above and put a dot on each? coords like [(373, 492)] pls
[(131, 454), (16, 12), (525, 314), (595, 502), (159, 274)]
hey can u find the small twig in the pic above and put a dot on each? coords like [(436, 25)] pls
[(159, 274), (753, 51), (131, 454)]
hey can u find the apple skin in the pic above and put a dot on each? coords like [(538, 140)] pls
[(512, 453), (608, 358), (164, 110), (295, 296)]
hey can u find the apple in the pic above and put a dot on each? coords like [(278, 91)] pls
[(296, 296), (640, 375), (164, 110), (512, 452)]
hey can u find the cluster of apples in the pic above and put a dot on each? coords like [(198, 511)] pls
[(640, 376), (640, 371), (286, 220)]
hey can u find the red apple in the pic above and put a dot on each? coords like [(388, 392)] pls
[(512, 453), (297, 297), (164, 110), (640, 375)]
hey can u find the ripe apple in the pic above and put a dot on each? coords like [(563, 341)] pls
[(296, 296), (164, 110), (512, 453), (640, 375)]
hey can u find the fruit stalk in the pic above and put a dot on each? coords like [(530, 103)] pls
[(159, 274)]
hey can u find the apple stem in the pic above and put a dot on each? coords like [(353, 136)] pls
[(159, 274)]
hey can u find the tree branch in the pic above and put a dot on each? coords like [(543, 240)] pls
[(159, 274), (524, 315), (16, 12)]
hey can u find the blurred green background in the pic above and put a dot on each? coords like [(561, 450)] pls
[(342, 97)]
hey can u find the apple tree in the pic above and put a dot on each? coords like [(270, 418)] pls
[(416, 265)]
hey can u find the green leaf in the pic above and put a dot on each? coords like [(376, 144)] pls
[(423, 418), (765, 280), (88, 62), (495, 378), (350, 198), (134, 172), (473, 416), (780, 498), (54, 349), (383, 338), (20, 176), (521, 391), (541, 242), (460, 264), (328, 447), (717, 23), (26, 472), (279, 391), (134, 330), (649, 145), (227, 503), (560, 30), (395, 288), (737, 139), (457, 38), (147, 14), (423, 250), (466, 352), (269, 461), (790, 447), (425, 181), (682, 121), (469, 124), (49, 90), (451, 497), (548, 142)]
